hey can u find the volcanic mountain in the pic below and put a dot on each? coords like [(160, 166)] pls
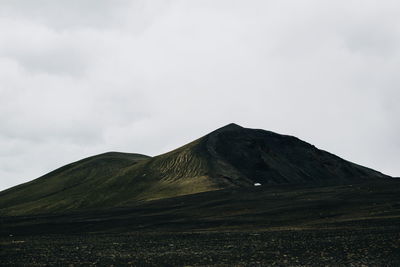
[(227, 158)]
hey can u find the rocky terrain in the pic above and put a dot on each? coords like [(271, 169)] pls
[(329, 247)]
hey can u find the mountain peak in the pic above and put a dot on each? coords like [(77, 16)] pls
[(230, 126)]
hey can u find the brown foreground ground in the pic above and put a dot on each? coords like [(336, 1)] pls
[(329, 247)]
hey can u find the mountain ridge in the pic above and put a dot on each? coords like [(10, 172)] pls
[(231, 156)]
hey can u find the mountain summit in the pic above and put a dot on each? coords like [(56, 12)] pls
[(229, 157)]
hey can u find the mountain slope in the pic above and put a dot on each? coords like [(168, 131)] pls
[(229, 157), (270, 158), (68, 187)]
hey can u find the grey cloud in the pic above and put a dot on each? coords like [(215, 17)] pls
[(146, 77), (64, 14), (98, 14), (53, 62)]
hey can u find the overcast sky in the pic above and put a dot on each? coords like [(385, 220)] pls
[(82, 77)]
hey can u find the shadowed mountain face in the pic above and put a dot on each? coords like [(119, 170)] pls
[(229, 157), (269, 158)]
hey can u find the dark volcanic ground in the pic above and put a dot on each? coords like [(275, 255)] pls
[(334, 247), (346, 225)]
